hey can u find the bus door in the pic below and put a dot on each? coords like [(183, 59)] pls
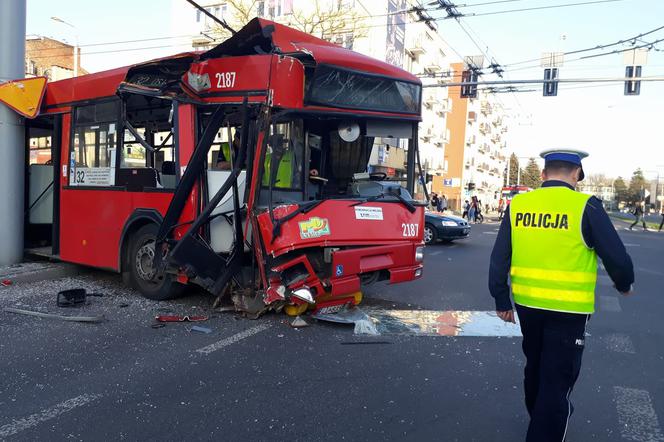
[(43, 136)]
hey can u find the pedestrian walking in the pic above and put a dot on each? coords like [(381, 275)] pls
[(466, 210), (661, 223), (434, 201), (548, 243), (638, 213), (501, 209), (442, 203)]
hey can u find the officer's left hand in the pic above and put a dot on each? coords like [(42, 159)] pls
[(507, 316)]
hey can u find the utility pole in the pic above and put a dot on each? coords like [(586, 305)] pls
[(12, 134)]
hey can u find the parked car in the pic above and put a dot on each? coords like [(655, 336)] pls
[(446, 228)]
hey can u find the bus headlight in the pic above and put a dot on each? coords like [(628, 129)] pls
[(419, 254), (198, 82)]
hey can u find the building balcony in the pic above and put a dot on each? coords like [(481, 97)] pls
[(416, 47)]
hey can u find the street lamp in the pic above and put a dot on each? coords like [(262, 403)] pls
[(59, 20)]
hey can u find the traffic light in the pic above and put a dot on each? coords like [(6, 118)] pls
[(632, 87), (550, 86), (469, 76), (471, 186)]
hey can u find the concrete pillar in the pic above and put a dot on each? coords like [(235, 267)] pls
[(12, 134)]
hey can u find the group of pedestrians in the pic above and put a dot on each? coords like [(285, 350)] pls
[(473, 210), (438, 203), (639, 216)]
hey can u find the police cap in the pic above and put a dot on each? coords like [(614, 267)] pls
[(568, 155)]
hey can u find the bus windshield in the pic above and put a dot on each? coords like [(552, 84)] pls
[(314, 159)]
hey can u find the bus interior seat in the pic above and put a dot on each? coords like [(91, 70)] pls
[(138, 178), (168, 178)]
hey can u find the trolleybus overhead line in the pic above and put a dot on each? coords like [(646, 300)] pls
[(221, 22)]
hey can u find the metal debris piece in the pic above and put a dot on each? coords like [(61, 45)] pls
[(180, 318), (157, 325), (364, 325), (298, 322), (91, 319), (199, 329)]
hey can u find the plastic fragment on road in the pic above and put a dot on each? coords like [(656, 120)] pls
[(73, 297), (6, 282), (298, 322), (364, 325), (199, 329), (90, 319)]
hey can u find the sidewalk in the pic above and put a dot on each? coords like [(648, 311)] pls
[(34, 271)]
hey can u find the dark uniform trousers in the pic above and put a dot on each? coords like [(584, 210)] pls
[(553, 344)]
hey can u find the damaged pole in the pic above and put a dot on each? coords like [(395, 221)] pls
[(12, 134)]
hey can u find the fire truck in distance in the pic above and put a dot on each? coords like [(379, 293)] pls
[(240, 169)]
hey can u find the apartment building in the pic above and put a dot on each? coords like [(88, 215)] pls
[(50, 58), (476, 155), (381, 29)]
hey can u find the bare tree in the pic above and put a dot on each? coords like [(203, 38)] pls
[(324, 19)]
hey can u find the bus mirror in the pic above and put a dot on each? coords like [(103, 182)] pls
[(348, 131)]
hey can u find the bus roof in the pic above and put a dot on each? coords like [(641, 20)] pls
[(258, 37)]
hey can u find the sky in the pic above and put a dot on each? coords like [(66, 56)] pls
[(620, 133)]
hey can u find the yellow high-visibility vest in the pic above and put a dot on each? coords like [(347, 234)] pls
[(552, 267), (284, 179)]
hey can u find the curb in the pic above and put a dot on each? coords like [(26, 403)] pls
[(35, 273)]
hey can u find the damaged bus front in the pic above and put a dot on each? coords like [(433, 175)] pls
[(285, 125)]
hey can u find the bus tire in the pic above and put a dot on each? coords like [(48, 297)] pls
[(158, 287)]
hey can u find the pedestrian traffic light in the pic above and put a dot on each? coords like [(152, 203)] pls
[(469, 76), (471, 186), (632, 87), (550, 87)]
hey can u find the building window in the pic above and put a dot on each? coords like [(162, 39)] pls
[(198, 15)]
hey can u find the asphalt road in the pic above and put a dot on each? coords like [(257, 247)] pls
[(263, 380)]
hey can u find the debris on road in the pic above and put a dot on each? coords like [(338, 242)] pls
[(6, 282), (298, 322), (199, 329), (91, 319), (180, 318), (74, 297), (157, 325), (351, 315)]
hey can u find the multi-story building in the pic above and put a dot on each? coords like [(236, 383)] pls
[(476, 155), (50, 58), (376, 28)]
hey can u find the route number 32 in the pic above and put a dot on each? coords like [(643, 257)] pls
[(225, 79), (409, 230)]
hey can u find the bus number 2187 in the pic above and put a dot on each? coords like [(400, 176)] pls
[(225, 80), (409, 230)]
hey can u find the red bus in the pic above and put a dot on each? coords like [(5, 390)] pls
[(508, 192), (241, 170)]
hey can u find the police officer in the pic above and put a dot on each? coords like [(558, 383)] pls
[(548, 243)]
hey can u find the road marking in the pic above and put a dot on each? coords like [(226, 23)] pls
[(490, 233), (629, 244), (609, 304), (636, 415), (619, 342), (233, 339), (652, 272), (33, 420), (441, 323), (438, 252)]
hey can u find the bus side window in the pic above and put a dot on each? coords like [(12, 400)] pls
[(94, 141), (140, 167)]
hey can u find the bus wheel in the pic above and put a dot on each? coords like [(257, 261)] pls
[(152, 285)]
